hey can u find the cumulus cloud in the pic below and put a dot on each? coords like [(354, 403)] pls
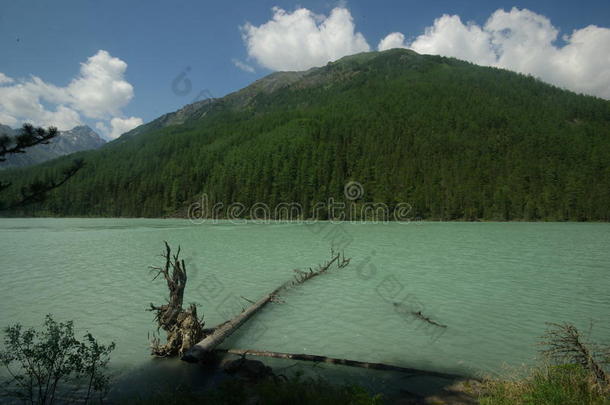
[(5, 79), (523, 41), (391, 41), (301, 39), (22, 102), (450, 37), (99, 91), (118, 126)]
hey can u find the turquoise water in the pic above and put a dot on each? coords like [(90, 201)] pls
[(493, 284)]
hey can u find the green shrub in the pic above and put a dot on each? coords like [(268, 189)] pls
[(51, 362)]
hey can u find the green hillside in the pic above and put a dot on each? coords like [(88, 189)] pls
[(452, 139)]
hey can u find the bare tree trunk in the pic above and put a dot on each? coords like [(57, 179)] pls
[(182, 326), (204, 349), (201, 351)]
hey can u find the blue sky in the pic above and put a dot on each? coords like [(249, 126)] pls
[(158, 40)]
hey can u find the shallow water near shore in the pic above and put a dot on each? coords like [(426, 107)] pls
[(493, 284)]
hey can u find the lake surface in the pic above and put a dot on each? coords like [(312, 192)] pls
[(493, 284)]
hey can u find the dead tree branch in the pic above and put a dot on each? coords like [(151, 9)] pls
[(302, 276), (565, 344)]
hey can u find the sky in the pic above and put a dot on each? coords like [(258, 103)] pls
[(116, 64)]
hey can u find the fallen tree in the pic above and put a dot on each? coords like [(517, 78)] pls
[(182, 326), (343, 362), (187, 337), (204, 350), (417, 314)]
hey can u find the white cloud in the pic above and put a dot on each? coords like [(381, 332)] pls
[(301, 39), (391, 41), (22, 102), (450, 37), (99, 91), (243, 66), (102, 128), (5, 79), (121, 125), (523, 41), (118, 126)]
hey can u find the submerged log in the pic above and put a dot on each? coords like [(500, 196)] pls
[(343, 362), (204, 350), (424, 318), (418, 315)]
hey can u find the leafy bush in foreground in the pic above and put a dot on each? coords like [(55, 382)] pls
[(50, 363)]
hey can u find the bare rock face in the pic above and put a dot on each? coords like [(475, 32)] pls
[(251, 370), (77, 139)]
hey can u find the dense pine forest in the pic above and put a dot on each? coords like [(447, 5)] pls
[(454, 140)]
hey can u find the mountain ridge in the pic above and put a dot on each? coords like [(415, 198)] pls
[(267, 84), (452, 139), (79, 138)]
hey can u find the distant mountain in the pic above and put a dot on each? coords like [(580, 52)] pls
[(454, 140), (75, 140)]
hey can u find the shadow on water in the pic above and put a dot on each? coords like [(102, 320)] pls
[(163, 376)]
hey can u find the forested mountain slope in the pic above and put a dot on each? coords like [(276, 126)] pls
[(454, 140)]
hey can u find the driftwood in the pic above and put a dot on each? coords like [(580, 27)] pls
[(182, 326), (424, 318), (419, 315), (344, 362), (203, 350)]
